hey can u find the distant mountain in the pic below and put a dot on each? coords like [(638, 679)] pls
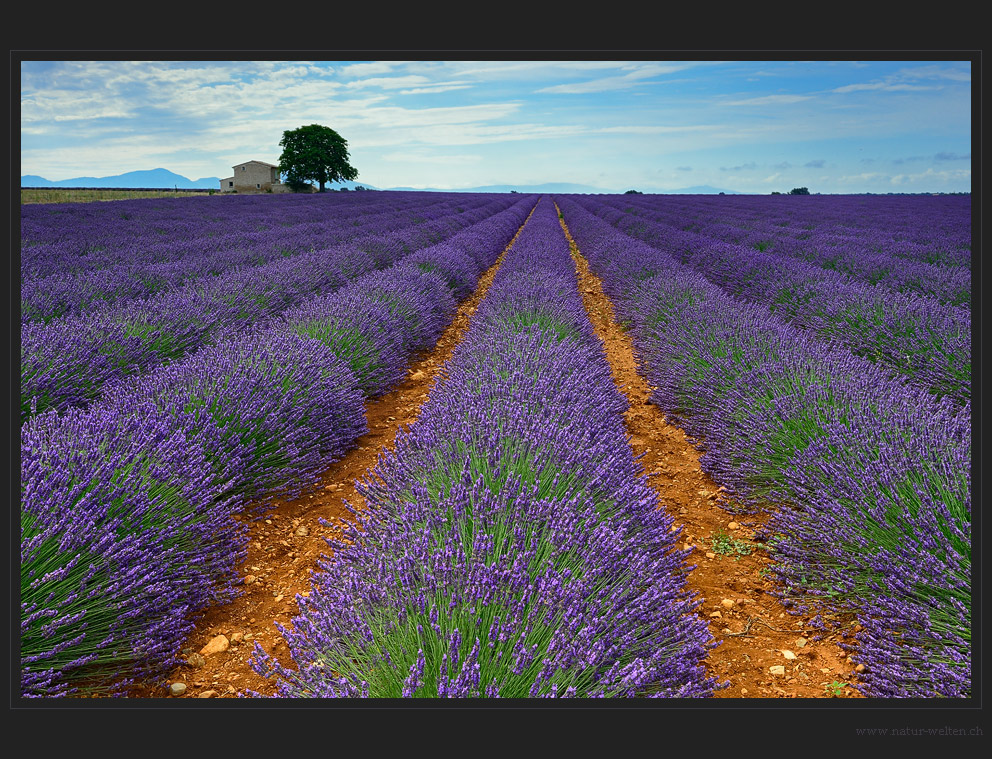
[(166, 180), (158, 179)]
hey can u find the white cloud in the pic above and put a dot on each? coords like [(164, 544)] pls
[(608, 84), (899, 81), (771, 100), (434, 89), (390, 82), (881, 86), (418, 158), (639, 129), (930, 174), (368, 69)]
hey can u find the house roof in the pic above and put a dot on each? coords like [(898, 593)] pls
[(263, 163)]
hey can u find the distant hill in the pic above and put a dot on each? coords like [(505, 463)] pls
[(154, 179), (167, 180)]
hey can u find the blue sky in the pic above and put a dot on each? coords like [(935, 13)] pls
[(748, 126)]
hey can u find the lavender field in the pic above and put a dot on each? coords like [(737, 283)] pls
[(184, 362)]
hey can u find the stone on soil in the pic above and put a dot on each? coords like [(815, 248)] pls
[(216, 645)]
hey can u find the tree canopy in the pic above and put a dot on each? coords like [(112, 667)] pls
[(314, 153)]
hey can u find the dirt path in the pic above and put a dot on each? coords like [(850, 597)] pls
[(285, 547), (756, 633)]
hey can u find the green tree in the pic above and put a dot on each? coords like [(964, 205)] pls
[(314, 153), (799, 191)]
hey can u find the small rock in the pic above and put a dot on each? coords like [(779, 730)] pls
[(418, 375), (177, 689), (733, 526), (860, 668), (249, 579), (716, 615), (710, 555), (237, 638), (302, 531), (208, 694), (216, 645), (801, 642), (278, 598), (778, 670), (788, 654), (743, 691), (727, 603), (195, 660)]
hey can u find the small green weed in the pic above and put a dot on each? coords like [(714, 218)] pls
[(835, 688), (730, 546)]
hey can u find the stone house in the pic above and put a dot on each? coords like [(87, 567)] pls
[(253, 177)]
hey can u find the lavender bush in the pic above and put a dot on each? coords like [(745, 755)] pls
[(284, 405), (125, 535)]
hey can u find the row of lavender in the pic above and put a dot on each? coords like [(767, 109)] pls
[(867, 476), (510, 546), (911, 229), (932, 257), (60, 238), (92, 257), (910, 334), (126, 514), (66, 362)]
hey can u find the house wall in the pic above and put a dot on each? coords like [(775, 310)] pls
[(251, 177)]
